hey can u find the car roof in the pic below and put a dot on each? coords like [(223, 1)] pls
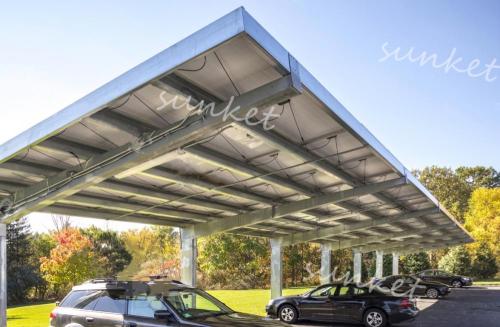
[(135, 286)]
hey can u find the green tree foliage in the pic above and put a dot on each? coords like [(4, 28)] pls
[(299, 260), (456, 261), (42, 244), (484, 263), (453, 188), (447, 187), (414, 263), (111, 248), (22, 272), (234, 261), (154, 250), (479, 177)]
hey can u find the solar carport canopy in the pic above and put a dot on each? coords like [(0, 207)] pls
[(223, 132)]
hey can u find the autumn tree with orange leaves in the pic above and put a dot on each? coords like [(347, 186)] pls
[(71, 262)]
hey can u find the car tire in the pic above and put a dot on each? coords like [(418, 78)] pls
[(457, 284), (374, 318), (432, 293), (288, 314)]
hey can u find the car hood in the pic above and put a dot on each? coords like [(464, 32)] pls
[(237, 319)]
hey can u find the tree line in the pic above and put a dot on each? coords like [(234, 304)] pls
[(43, 266)]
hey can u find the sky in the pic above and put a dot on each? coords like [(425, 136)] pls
[(443, 110)]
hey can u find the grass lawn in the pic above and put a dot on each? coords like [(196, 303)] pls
[(32, 315), (249, 301), (489, 282)]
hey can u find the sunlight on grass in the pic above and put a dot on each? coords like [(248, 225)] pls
[(32, 316)]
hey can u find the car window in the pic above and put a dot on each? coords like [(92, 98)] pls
[(72, 298), (111, 302), (428, 273), (442, 273), (361, 291), (324, 291), (85, 300), (144, 306), (408, 280), (343, 290)]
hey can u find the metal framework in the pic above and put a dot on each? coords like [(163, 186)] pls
[(182, 140)]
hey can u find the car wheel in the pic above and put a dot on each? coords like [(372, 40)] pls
[(288, 314), (432, 293), (375, 318), (457, 284)]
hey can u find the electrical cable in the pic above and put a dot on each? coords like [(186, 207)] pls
[(196, 69), (98, 134), (155, 112), (227, 74), (121, 104), (296, 123)]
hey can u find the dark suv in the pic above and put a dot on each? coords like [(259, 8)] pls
[(434, 275), (111, 303)]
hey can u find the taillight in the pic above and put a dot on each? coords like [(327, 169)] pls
[(405, 304), (52, 315)]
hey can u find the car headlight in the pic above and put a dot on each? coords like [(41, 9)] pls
[(270, 303)]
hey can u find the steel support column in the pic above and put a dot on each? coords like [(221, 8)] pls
[(3, 275), (379, 264), (357, 265), (189, 260), (395, 263), (326, 263), (276, 268)]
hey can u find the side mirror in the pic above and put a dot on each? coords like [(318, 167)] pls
[(57, 303), (163, 315)]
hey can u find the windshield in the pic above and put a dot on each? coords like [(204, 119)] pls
[(194, 303)]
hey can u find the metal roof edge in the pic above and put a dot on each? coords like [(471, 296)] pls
[(192, 46)]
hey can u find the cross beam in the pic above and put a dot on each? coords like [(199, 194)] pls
[(346, 228), (364, 241), (261, 215)]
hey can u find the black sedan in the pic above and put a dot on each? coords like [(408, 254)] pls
[(414, 286), (343, 303), (434, 275)]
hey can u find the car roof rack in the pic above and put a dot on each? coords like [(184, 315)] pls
[(101, 280)]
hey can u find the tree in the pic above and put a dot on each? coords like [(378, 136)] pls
[(483, 219), (447, 187), (414, 263), (484, 263), (456, 261), (154, 250), (41, 244), (71, 261), (112, 250), (21, 270), (479, 177), (224, 256)]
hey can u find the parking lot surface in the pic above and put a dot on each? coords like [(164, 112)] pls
[(467, 307)]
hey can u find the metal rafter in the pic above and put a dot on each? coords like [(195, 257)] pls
[(102, 167)]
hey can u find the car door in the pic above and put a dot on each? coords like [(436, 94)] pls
[(109, 309), (83, 309), (346, 304), (443, 277), (141, 312), (318, 305), (414, 286), (427, 275)]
